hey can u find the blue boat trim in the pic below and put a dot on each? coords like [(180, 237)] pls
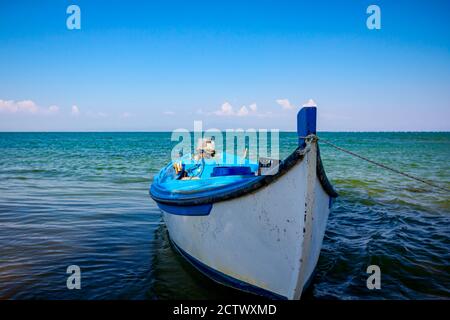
[(224, 279), (197, 210), (306, 124)]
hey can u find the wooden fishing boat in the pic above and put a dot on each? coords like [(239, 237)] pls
[(260, 233)]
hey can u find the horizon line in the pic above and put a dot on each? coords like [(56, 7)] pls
[(284, 131)]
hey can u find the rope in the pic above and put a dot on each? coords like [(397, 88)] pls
[(381, 165)]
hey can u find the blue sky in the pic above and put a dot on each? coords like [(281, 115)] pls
[(160, 65)]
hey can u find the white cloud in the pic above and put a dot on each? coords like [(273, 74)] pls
[(24, 106), (285, 104), (75, 111), (7, 106), (169, 113), (29, 107), (243, 111), (310, 103), (227, 109)]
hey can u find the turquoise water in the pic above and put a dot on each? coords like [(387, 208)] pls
[(82, 198)]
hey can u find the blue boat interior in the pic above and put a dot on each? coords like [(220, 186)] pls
[(204, 174)]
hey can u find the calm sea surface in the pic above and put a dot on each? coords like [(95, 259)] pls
[(82, 199)]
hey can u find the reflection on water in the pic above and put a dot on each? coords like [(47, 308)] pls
[(82, 198)]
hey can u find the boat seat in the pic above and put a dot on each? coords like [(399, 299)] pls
[(221, 171)]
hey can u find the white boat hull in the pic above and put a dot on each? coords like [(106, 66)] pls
[(268, 241)]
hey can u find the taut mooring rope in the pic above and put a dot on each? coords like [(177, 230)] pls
[(383, 165)]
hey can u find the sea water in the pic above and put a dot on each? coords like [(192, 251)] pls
[(82, 199)]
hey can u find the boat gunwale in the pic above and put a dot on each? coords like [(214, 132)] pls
[(284, 166)]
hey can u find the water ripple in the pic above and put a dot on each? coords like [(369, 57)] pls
[(82, 199)]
